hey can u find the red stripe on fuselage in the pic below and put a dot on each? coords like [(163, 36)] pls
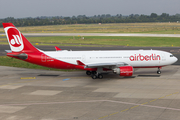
[(42, 59)]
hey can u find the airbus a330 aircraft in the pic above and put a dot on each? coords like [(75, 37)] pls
[(95, 63)]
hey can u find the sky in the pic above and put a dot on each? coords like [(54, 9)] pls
[(35, 8)]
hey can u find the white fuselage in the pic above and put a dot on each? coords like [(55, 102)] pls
[(135, 58)]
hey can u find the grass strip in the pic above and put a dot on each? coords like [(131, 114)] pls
[(107, 41), (157, 28), (92, 41)]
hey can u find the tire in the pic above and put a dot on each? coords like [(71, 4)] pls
[(94, 76), (100, 76), (158, 72), (88, 72)]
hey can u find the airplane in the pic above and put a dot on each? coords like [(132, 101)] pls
[(120, 62)]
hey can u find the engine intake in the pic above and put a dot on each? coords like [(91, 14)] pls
[(124, 71)]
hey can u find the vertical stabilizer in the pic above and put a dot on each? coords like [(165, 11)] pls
[(17, 42)]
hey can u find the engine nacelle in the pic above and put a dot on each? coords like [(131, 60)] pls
[(124, 71)]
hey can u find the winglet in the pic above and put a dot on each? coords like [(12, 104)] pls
[(80, 63), (57, 49)]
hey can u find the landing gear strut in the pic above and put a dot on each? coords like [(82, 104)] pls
[(159, 71)]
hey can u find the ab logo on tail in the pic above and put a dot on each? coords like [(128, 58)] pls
[(16, 42), (15, 39)]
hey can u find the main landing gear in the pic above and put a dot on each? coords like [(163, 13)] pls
[(159, 71), (94, 74)]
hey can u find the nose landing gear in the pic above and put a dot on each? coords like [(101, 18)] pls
[(159, 71)]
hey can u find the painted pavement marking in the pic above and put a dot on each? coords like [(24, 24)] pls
[(45, 92), (144, 104)]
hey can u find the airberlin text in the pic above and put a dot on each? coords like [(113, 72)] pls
[(140, 57)]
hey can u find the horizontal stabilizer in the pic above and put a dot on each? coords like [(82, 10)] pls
[(8, 51), (19, 55)]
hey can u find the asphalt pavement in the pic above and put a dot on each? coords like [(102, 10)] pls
[(31, 94)]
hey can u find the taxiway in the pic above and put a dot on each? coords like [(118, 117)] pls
[(98, 34)]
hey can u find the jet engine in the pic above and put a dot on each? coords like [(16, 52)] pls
[(124, 71)]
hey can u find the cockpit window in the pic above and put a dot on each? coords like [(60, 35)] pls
[(171, 55)]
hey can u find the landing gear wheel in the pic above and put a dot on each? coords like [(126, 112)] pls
[(100, 76), (88, 72), (158, 72), (94, 76)]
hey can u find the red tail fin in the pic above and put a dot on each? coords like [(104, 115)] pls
[(17, 41)]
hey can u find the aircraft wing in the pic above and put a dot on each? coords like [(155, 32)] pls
[(108, 64)]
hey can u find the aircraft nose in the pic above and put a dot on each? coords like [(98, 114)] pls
[(175, 59)]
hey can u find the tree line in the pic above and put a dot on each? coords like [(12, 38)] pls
[(83, 19)]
